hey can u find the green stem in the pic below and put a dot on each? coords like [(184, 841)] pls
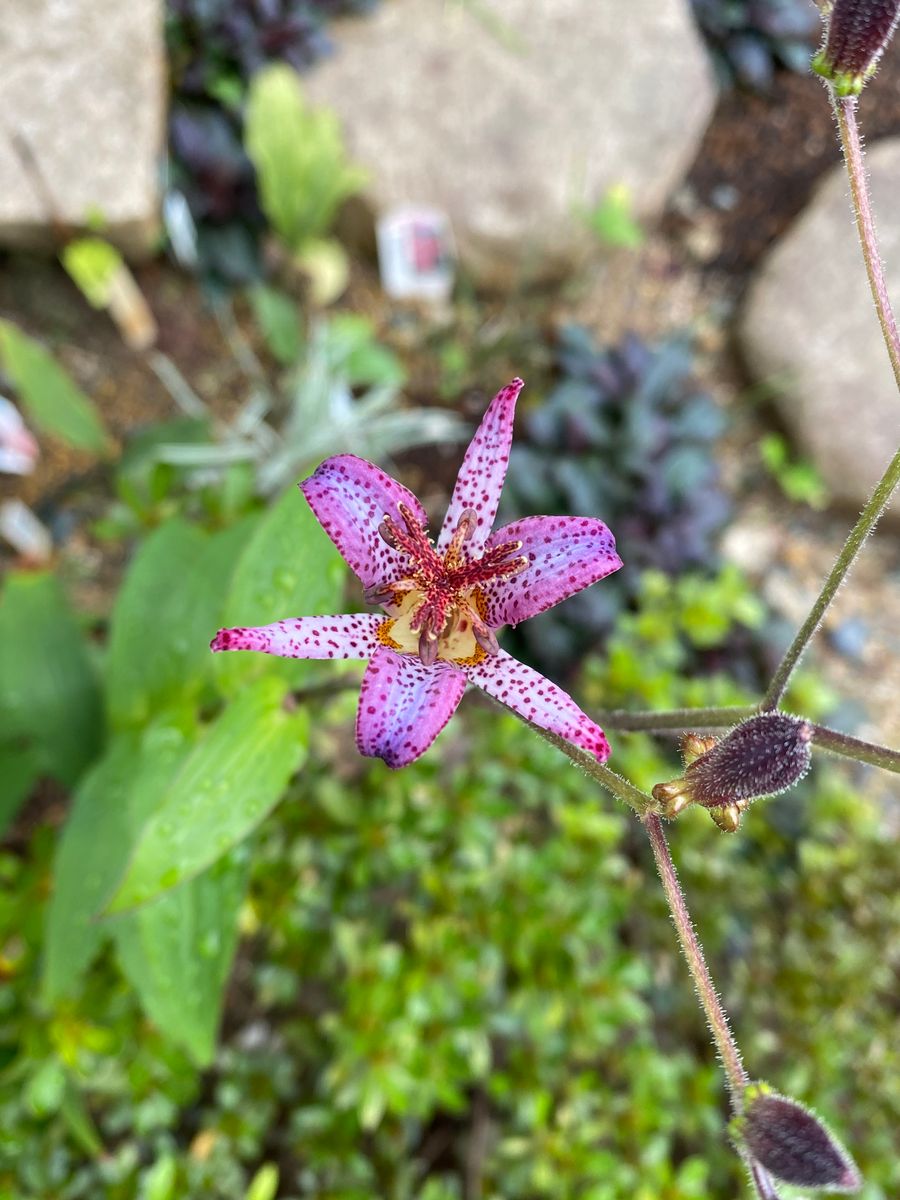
[(693, 952), (698, 719), (838, 574), (641, 802), (855, 748), (845, 110), (626, 721)]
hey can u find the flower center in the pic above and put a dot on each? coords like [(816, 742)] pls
[(438, 608)]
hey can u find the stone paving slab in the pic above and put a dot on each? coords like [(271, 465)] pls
[(82, 95), (512, 116)]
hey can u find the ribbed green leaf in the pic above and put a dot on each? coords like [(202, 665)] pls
[(165, 614), (54, 403), (288, 569), (50, 714), (229, 783), (92, 848), (177, 952)]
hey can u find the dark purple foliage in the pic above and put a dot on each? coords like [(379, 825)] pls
[(625, 436), (750, 39), (215, 47)]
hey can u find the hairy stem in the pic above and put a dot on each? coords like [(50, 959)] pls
[(693, 952), (856, 748), (641, 802), (626, 721), (851, 144), (699, 719), (845, 110)]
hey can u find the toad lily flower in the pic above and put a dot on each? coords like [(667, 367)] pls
[(445, 601)]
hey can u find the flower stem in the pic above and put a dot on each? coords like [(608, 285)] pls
[(851, 144), (626, 721), (845, 560), (641, 802), (845, 110), (693, 952), (698, 719), (856, 748)]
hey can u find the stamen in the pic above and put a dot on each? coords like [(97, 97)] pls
[(380, 593), (428, 647), (468, 523), (485, 636), (465, 527), (387, 531)]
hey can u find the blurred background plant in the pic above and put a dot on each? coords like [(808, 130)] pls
[(216, 47), (625, 433), (435, 977), (750, 39)]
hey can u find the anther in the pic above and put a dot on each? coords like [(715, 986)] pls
[(485, 637), (386, 530), (428, 647), (379, 593), (467, 523)]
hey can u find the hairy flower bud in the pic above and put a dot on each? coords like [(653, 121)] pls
[(762, 756), (792, 1144), (856, 35)]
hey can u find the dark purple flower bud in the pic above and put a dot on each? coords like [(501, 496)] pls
[(763, 756), (760, 757), (857, 33), (792, 1144)]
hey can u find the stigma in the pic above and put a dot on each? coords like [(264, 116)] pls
[(437, 607)]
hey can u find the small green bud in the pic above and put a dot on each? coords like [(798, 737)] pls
[(856, 35), (791, 1143)]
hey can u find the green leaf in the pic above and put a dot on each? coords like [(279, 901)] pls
[(301, 166), (52, 400), (165, 615), (92, 848), (177, 952), (92, 264), (289, 569), (229, 783), (50, 717), (277, 317), (19, 772), (264, 1184), (612, 220)]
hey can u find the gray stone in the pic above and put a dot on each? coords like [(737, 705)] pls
[(809, 327), (512, 116), (82, 92)]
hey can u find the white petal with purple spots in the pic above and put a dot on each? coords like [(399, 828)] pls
[(566, 554), (350, 498), (535, 698), (483, 471), (348, 635), (403, 706)]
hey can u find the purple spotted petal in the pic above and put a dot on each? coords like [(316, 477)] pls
[(566, 554), (528, 693), (350, 498), (403, 706), (483, 470), (349, 635)]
